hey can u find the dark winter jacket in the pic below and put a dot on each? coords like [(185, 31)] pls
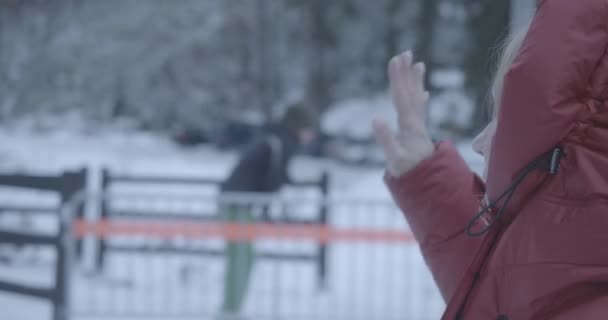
[(263, 165), (548, 256)]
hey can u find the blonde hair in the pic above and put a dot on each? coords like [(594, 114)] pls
[(507, 52)]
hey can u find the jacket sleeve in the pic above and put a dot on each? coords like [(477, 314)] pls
[(438, 199), (553, 87), (251, 168)]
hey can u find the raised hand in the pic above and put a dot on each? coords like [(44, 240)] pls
[(412, 143)]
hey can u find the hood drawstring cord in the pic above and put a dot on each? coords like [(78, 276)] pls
[(548, 161)]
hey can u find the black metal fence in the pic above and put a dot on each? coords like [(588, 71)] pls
[(163, 255), (209, 213), (374, 269), (65, 185)]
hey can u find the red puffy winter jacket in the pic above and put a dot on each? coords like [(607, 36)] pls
[(547, 258)]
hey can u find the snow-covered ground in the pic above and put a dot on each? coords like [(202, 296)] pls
[(366, 281)]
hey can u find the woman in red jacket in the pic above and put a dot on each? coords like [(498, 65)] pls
[(530, 243)]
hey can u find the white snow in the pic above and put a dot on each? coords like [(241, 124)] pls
[(450, 108), (366, 281), (450, 113), (352, 118), (448, 78)]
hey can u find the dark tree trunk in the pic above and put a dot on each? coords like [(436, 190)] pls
[(319, 86), (426, 37), (488, 24)]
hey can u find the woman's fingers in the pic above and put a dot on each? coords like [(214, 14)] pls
[(419, 70), (398, 66), (402, 72), (386, 138), (407, 88), (407, 57), (393, 68), (399, 85), (412, 144)]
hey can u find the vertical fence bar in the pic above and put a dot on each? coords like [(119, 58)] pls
[(60, 294), (324, 220), (71, 183), (103, 216), (78, 214)]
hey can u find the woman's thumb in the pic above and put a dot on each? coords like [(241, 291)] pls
[(385, 136)]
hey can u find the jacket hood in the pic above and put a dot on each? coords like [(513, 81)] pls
[(555, 93)]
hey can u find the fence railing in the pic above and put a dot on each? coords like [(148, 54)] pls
[(66, 186), (160, 264), (211, 213), (175, 268)]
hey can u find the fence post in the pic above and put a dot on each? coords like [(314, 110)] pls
[(323, 220), (103, 216), (80, 181), (71, 183)]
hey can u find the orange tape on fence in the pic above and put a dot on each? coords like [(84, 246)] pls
[(236, 231)]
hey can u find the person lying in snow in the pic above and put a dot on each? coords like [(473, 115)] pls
[(529, 243)]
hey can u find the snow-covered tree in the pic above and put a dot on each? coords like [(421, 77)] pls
[(197, 63)]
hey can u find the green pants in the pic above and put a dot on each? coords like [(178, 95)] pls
[(239, 262)]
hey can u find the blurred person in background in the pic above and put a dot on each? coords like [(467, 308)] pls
[(529, 242), (262, 169)]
